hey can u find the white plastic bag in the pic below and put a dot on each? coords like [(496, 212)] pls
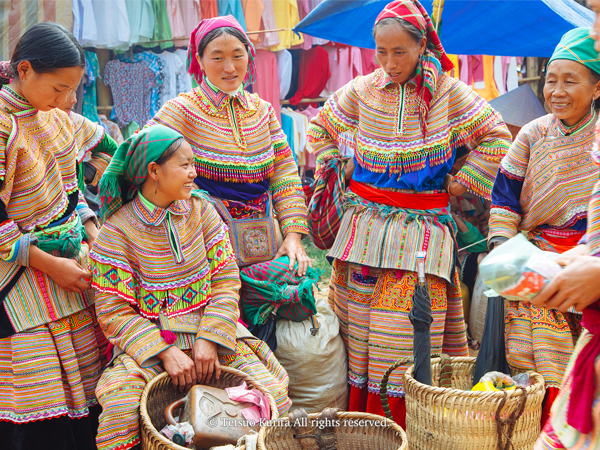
[(317, 365), (518, 270)]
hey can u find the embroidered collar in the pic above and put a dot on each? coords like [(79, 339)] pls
[(153, 215), (589, 119), (382, 80), (216, 99), (16, 103)]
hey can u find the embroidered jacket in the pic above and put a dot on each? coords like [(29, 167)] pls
[(165, 269), (545, 180), (39, 199), (391, 149), (239, 139)]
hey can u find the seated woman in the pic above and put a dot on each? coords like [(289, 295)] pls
[(543, 188), (167, 285)]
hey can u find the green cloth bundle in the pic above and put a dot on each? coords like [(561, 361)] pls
[(270, 288)]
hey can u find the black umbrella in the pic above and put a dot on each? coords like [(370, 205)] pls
[(420, 317), (492, 355)]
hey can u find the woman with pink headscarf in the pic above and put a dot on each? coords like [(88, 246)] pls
[(242, 155)]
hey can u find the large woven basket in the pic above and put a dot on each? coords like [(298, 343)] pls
[(332, 430), (457, 418), (159, 393)]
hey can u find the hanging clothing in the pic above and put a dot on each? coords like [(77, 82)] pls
[(90, 100), (112, 25), (345, 64), (184, 81), (287, 17), (253, 11), (131, 84), (396, 208), (209, 9), (489, 90), (284, 70), (289, 128), (267, 79), (369, 62), (176, 21), (174, 70), (313, 74), (84, 22), (203, 305), (270, 39), (239, 140), (162, 26), (543, 189), (141, 20), (112, 129), (191, 11), (232, 8), (303, 11), (47, 332)]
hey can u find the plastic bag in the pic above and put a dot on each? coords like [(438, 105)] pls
[(495, 381), (517, 269), (317, 365)]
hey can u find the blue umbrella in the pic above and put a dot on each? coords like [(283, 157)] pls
[(476, 27)]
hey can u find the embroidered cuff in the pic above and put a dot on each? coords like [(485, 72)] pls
[(85, 214), (24, 243)]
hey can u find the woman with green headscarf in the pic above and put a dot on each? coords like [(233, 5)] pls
[(166, 285), (543, 189)]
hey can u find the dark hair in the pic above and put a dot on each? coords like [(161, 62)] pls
[(211, 36), (47, 46), (169, 152), (414, 32)]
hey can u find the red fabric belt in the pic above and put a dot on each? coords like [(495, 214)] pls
[(562, 244), (400, 199)]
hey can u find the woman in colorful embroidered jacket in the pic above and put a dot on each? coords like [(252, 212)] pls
[(409, 119), (166, 284), (241, 151), (543, 188), (50, 357)]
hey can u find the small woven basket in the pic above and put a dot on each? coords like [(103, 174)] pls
[(460, 419), (159, 393), (332, 430)]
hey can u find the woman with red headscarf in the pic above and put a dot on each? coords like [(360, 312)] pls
[(410, 120)]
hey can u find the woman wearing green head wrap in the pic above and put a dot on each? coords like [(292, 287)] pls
[(166, 285), (543, 189)]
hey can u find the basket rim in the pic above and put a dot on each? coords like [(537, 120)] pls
[(145, 417), (341, 415), (496, 395)]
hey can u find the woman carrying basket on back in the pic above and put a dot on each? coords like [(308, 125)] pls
[(409, 118)]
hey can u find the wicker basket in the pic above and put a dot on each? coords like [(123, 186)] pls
[(459, 419), (159, 393), (301, 431)]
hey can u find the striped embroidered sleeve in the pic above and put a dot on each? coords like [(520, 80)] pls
[(288, 196), (14, 245), (126, 329), (475, 125), (340, 114), (505, 215), (219, 320), (593, 230)]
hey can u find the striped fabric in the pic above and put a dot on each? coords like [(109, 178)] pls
[(17, 16), (239, 140), (540, 339), (593, 230), (389, 136), (324, 198), (557, 175), (37, 168), (120, 389), (557, 433), (386, 237), (50, 371), (373, 307)]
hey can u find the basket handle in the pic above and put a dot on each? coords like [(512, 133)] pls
[(172, 407), (311, 437), (384, 382)]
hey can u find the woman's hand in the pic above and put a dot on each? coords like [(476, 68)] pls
[(206, 359), (349, 170), (454, 188), (92, 232), (577, 285), (179, 367), (66, 273), (292, 247)]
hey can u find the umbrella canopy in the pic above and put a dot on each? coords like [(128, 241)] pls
[(476, 27), (519, 106)]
